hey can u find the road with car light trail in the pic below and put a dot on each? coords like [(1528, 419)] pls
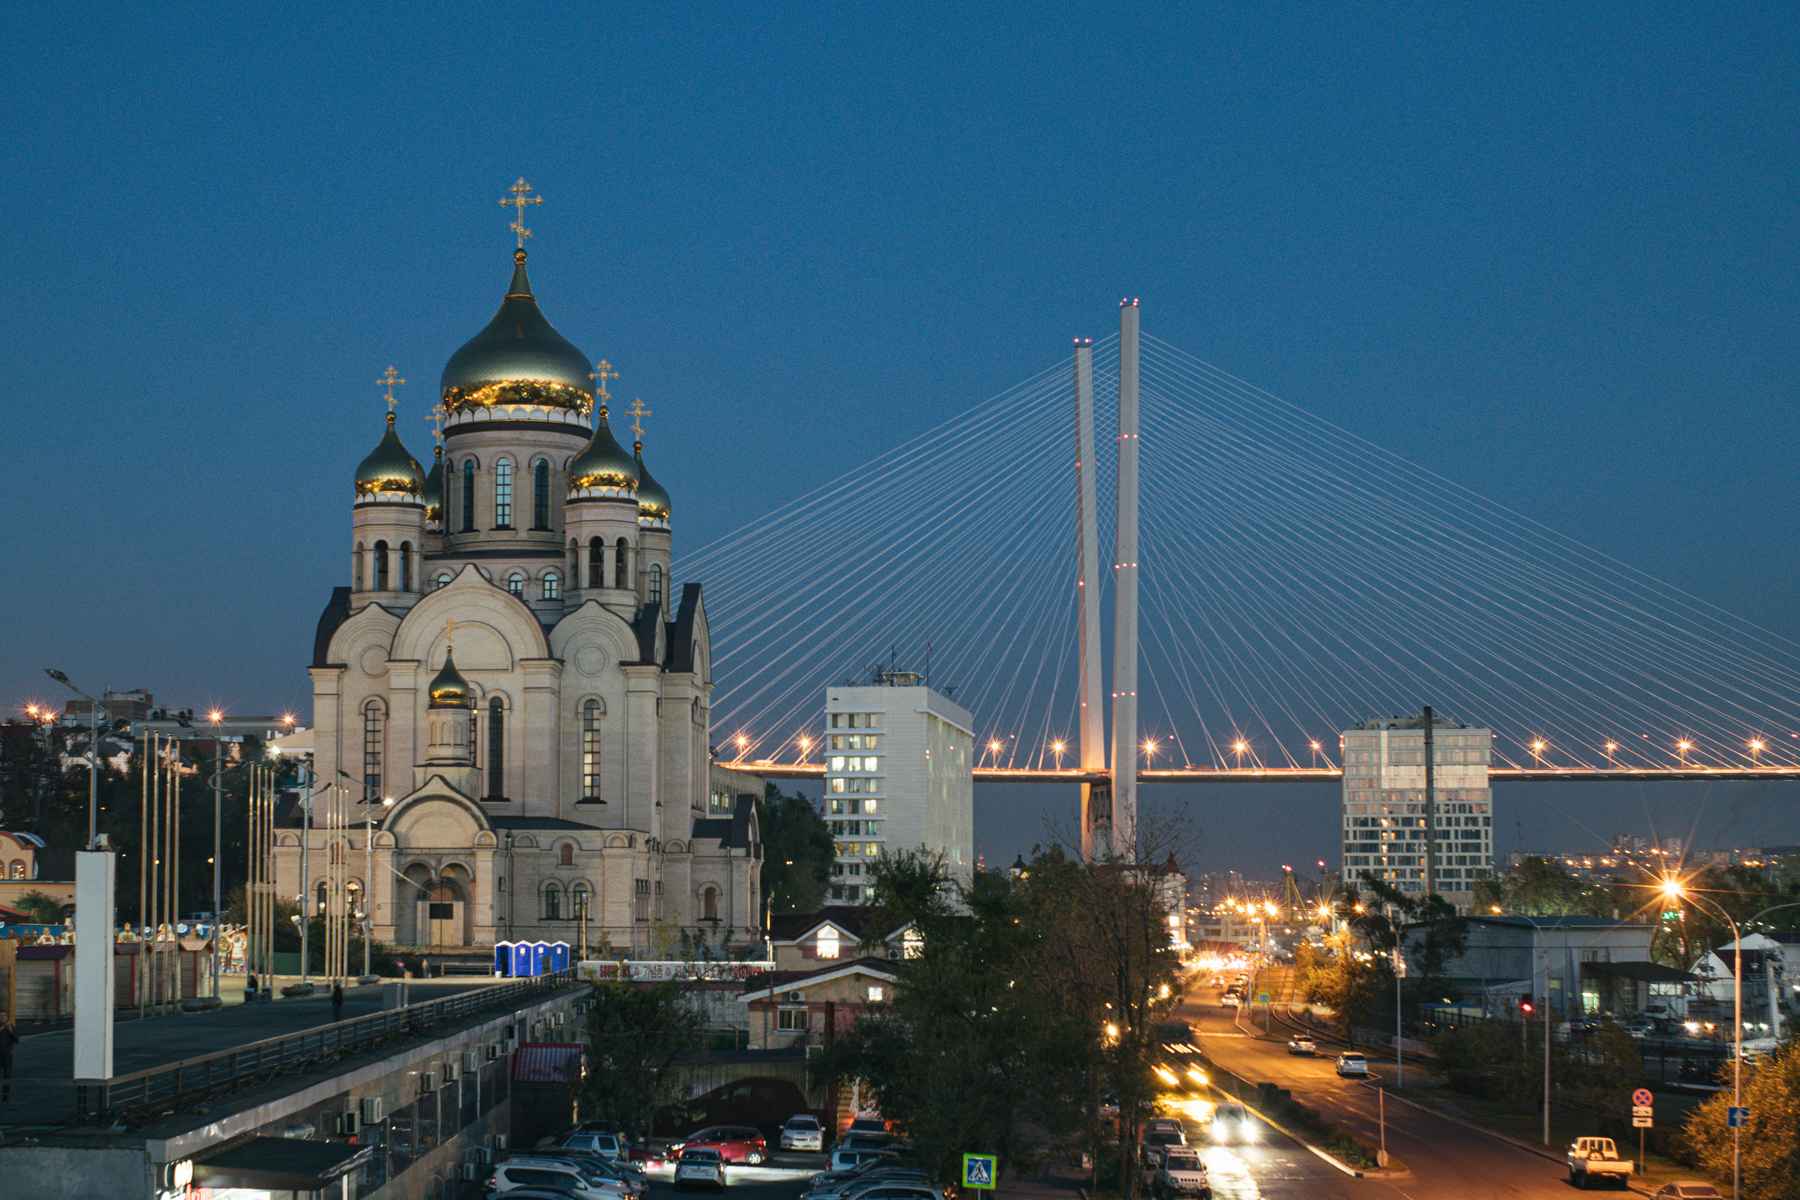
[(1443, 1160)]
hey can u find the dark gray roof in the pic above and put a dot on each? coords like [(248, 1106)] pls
[(1648, 972), (504, 822), (681, 633), (733, 832), (337, 611)]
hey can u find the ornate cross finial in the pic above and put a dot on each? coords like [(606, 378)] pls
[(638, 413), (390, 378), (521, 196), (600, 375), (449, 635), (437, 418)]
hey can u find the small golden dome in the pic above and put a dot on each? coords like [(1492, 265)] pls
[(603, 463), (450, 689), (390, 468)]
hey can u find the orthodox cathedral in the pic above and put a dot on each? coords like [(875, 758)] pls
[(511, 698)]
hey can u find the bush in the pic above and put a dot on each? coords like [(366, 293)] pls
[(1278, 1103)]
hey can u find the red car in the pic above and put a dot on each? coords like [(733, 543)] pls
[(735, 1143)]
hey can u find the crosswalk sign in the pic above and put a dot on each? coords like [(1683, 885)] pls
[(978, 1170)]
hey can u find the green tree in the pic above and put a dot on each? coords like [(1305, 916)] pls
[(638, 1034), (797, 852), (1770, 1141), (42, 908)]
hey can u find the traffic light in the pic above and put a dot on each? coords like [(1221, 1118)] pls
[(1527, 1006)]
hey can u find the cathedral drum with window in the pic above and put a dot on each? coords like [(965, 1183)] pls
[(512, 694)]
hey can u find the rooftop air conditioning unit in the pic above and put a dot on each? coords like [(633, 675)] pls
[(500, 1141), (374, 1111), (427, 1082), (450, 1070), (466, 1171), (509, 1045), (471, 1062), (482, 1154), (492, 1050), (797, 997)]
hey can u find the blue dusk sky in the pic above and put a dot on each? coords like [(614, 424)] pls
[(1546, 251)]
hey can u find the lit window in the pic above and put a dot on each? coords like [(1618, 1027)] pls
[(836, 785), (553, 586), (876, 993), (828, 943), (503, 494), (515, 583)]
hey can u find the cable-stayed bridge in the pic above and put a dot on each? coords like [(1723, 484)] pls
[(1273, 578)]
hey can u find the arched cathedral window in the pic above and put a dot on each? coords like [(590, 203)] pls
[(621, 566), (503, 494), (566, 857), (596, 563), (357, 568), (552, 902), (590, 750), (552, 586), (578, 900), (406, 566), (496, 765), (442, 580), (381, 566), (374, 718), (515, 583), (709, 904), (468, 496), (540, 495), (655, 583)]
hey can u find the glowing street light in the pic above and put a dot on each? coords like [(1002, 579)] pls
[(1315, 753), (1756, 745), (1149, 748), (1537, 752), (1610, 748), (1056, 748), (1238, 747), (805, 746), (1684, 746)]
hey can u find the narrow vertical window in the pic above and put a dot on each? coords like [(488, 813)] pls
[(552, 903), (540, 495), (496, 765), (578, 901), (372, 744), (596, 563), (709, 905), (655, 583), (468, 497), (552, 586), (565, 855), (621, 568), (381, 566), (406, 566), (503, 494), (357, 567), (590, 750)]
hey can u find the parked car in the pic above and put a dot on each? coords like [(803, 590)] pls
[(904, 1191), (843, 1159), (1596, 1160), (857, 1189), (1349, 1065), (867, 1125), (594, 1138), (1182, 1174), (1688, 1190), (548, 1176), (803, 1132), (1232, 1123), (735, 1143), (632, 1177), (700, 1167), (1302, 1045), (594, 1172)]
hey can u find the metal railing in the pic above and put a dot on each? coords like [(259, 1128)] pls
[(144, 1095)]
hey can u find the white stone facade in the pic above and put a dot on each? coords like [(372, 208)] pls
[(580, 779)]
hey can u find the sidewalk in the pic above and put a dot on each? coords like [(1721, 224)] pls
[(1056, 1183)]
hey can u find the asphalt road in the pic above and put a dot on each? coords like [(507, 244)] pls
[(1444, 1160)]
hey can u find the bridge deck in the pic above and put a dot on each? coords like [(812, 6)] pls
[(778, 770)]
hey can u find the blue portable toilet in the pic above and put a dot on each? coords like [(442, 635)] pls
[(503, 958), (538, 952), (556, 958), (521, 959)]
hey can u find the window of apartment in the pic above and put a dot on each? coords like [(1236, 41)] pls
[(827, 943), (876, 993), (503, 494), (791, 1019), (719, 803)]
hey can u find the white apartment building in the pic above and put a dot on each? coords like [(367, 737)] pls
[(1385, 815), (899, 775)]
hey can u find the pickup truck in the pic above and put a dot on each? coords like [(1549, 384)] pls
[(1596, 1160), (1181, 1174)]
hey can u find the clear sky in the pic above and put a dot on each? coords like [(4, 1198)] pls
[(1547, 251)]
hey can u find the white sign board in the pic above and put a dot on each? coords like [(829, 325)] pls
[(642, 972)]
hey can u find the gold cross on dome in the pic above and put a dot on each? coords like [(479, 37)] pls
[(521, 196), (449, 635), (638, 413), (437, 418), (390, 378), (600, 375)]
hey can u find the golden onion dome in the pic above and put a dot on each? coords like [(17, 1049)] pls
[(518, 359), (603, 463), (389, 468), (450, 689), (653, 500), (434, 489)]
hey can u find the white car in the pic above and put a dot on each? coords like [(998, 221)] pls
[(700, 1168), (557, 1177), (1302, 1045), (1232, 1123), (1182, 1174), (1232, 1001), (1349, 1065), (803, 1132)]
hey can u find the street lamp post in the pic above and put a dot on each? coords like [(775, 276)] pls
[(1673, 889), (93, 754), (1543, 942)]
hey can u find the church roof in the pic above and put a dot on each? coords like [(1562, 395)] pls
[(535, 823), (681, 635), (733, 832), (337, 611), (517, 359)]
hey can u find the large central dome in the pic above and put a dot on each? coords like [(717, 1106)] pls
[(518, 359)]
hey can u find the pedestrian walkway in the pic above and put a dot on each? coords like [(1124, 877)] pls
[(1060, 1182), (43, 1091)]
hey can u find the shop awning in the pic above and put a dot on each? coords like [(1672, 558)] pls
[(276, 1164)]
